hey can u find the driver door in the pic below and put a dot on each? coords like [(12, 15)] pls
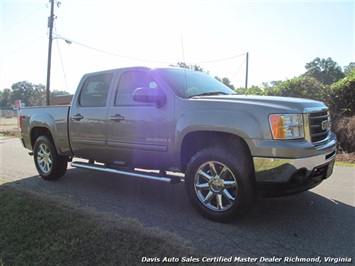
[(139, 134)]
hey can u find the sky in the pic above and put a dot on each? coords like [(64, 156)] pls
[(279, 36)]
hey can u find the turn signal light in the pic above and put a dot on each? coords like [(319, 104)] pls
[(286, 126)]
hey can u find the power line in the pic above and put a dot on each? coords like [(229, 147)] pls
[(144, 60), (22, 19), (110, 53), (218, 60), (26, 45), (122, 56), (240, 67), (61, 60)]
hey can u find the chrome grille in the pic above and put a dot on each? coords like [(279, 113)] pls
[(319, 126)]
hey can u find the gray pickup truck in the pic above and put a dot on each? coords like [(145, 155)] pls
[(185, 125)]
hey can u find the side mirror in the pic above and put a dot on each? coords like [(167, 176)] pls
[(149, 95)]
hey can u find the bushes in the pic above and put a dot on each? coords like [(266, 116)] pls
[(344, 128), (341, 102), (341, 95)]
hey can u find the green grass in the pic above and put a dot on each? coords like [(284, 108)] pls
[(345, 164), (35, 230)]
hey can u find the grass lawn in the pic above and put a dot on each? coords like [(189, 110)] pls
[(35, 230)]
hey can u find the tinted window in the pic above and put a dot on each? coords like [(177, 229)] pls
[(129, 82), (95, 90), (188, 83)]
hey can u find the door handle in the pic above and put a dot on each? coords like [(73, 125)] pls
[(117, 118), (77, 117)]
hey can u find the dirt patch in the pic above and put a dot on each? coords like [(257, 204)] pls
[(9, 127), (346, 157)]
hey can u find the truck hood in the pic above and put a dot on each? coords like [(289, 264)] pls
[(288, 104)]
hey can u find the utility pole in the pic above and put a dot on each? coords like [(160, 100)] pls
[(246, 71), (50, 26)]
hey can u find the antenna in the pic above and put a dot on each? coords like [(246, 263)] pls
[(183, 50), (246, 71), (185, 66)]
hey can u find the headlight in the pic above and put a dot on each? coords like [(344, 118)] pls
[(286, 126)]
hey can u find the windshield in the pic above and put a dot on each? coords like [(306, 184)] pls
[(188, 83)]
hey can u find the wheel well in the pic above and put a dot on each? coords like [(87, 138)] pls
[(40, 131), (196, 141)]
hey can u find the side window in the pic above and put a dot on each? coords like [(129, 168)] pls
[(95, 90), (129, 82)]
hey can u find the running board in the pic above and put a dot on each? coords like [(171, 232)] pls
[(171, 179)]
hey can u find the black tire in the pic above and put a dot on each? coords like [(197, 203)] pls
[(220, 183), (49, 164)]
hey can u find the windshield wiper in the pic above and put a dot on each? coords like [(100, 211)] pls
[(211, 93)]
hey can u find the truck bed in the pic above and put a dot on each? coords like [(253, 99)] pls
[(53, 118)]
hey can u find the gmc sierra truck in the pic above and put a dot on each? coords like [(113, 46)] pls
[(186, 126)]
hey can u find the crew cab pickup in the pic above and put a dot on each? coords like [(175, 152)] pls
[(186, 126)]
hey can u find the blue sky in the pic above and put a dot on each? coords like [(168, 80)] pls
[(280, 36)]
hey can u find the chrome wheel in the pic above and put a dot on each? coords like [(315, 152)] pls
[(44, 158), (49, 164), (216, 186)]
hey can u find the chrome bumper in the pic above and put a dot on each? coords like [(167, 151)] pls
[(271, 170)]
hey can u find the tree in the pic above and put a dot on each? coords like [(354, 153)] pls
[(192, 67), (253, 90), (228, 83), (180, 64), (325, 71), (342, 95), (300, 87), (5, 98), (225, 81), (59, 93), (271, 84), (348, 68), (29, 94)]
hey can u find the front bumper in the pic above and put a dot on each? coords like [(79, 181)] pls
[(280, 176)]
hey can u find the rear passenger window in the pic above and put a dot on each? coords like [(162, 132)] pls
[(95, 90)]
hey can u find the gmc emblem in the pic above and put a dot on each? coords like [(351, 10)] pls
[(326, 124)]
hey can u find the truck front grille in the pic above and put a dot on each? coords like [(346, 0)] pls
[(319, 126)]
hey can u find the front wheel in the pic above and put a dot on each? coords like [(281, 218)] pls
[(49, 164), (220, 183)]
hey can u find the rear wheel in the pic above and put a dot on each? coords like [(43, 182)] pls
[(220, 183), (49, 164)]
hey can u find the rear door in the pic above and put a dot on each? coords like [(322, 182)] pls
[(87, 119)]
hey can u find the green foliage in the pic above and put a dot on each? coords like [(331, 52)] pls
[(300, 87), (192, 67), (5, 98), (254, 90), (59, 93), (326, 71), (324, 81), (225, 81), (29, 94), (342, 95), (348, 68)]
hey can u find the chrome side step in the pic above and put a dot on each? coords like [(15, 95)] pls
[(167, 179)]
